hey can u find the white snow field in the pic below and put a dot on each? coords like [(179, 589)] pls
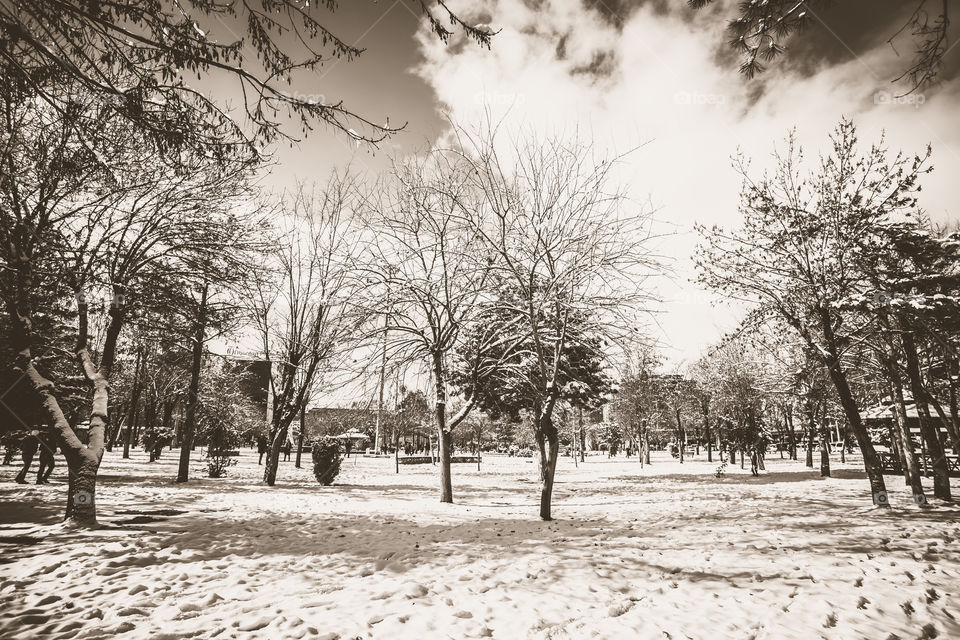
[(668, 551)]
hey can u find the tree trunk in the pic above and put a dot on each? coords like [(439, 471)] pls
[(824, 451), (944, 418), (952, 384), (931, 435), (791, 432), (706, 432), (908, 457), (112, 438), (583, 443), (680, 435), (445, 443), (83, 461), (548, 442), (193, 393), (128, 434), (646, 444), (871, 461), (581, 434), (167, 418), (396, 449), (134, 401), (444, 436), (812, 430), (638, 437), (81, 492), (132, 418), (279, 437), (303, 429), (82, 488)]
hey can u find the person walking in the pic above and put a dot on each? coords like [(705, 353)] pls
[(287, 446), (47, 441), (261, 447), (28, 448)]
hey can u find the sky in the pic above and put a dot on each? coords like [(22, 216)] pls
[(653, 76)]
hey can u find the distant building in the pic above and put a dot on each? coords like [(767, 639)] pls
[(881, 416)]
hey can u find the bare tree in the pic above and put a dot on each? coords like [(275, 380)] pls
[(573, 252), (635, 402), (427, 272), (301, 301)]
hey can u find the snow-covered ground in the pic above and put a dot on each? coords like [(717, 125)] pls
[(669, 551)]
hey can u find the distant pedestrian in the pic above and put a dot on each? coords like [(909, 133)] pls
[(47, 441), (161, 439), (287, 446), (28, 449), (261, 447), (149, 439), (11, 444)]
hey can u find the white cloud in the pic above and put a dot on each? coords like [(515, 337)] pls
[(668, 88)]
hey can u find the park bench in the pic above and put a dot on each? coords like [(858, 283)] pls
[(890, 464), (428, 459), (231, 453)]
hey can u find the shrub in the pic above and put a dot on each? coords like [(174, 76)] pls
[(217, 465), (220, 438), (326, 460)]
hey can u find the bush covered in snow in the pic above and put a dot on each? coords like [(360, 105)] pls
[(327, 455), (218, 463)]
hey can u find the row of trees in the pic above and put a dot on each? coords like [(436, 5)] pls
[(126, 195), (514, 274), (741, 396), (852, 290), (508, 270)]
